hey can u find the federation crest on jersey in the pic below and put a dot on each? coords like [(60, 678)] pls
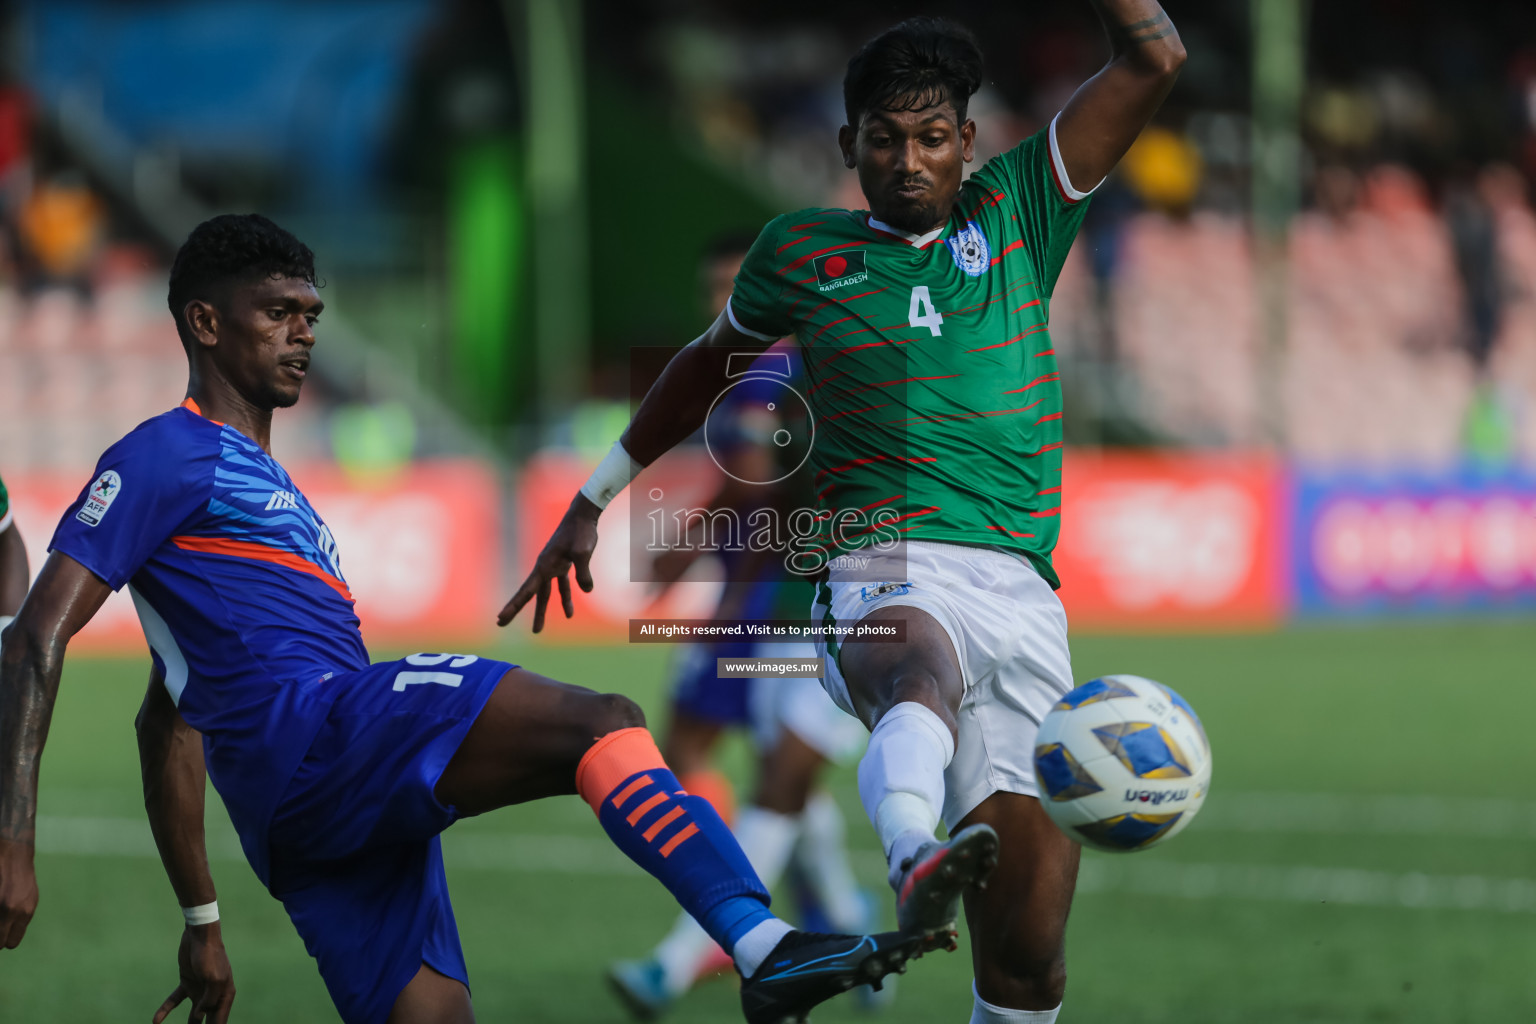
[(840, 269), (970, 249), (99, 497)]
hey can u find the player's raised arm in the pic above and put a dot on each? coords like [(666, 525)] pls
[(175, 781), (676, 406), (1108, 111), (65, 597)]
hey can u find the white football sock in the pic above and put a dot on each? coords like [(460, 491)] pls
[(682, 954), (767, 838), (753, 948), (901, 779), (986, 1013), (822, 855)]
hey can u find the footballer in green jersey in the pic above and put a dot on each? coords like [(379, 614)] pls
[(928, 358), (934, 393), (13, 561)]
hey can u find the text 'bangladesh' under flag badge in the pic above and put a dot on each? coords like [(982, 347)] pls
[(970, 249), (838, 269)]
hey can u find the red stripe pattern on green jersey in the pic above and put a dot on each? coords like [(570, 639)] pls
[(930, 370)]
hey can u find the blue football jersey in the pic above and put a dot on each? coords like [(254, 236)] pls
[(239, 589)]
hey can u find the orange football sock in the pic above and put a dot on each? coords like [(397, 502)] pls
[(713, 786)]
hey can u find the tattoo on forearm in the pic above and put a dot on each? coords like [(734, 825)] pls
[(1147, 30)]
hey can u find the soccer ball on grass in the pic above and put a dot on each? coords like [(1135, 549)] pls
[(1122, 764)]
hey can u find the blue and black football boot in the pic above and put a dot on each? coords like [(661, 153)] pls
[(807, 968)]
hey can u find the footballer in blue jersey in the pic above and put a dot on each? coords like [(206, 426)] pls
[(339, 775)]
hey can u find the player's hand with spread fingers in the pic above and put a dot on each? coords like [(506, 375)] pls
[(206, 978), (571, 544), (18, 891)]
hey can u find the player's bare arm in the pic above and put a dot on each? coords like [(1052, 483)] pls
[(1103, 118), (66, 596), (676, 406), (175, 781)]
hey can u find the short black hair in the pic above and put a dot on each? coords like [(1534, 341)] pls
[(234, 245), (919, 63)]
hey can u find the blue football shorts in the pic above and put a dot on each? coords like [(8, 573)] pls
[(355, 853), (700, 693)]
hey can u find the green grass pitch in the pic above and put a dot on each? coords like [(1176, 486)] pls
[(1368, 854)]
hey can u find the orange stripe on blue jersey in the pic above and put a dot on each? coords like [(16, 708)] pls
[(261, 553)]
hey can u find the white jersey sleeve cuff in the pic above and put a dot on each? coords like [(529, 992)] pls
[(749, 332), (5, 520), (1060, 170)]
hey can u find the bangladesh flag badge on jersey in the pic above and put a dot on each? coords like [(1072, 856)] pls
[(838, 269)]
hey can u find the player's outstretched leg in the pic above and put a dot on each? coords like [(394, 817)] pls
[(536, 737), (910, 692), (1018, 927)]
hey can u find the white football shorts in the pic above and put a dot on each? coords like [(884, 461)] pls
[(802, 707), (1009, 630)]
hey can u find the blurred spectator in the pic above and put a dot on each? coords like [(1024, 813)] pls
[(1165, 169), (1469, 220), (1336, 192), (61, 227), (1470, 210), (15, 145)]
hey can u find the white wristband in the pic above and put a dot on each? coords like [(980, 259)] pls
[(611, 476), (6, 620), (205, 914)]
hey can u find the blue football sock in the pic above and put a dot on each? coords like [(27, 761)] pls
[(676, 837)]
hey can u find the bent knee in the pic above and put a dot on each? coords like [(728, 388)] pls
[(614, 711)]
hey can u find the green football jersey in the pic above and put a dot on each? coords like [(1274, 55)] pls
[(929, 367), (5, 506)]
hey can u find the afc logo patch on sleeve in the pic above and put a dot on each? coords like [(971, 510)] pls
[(100, 497)]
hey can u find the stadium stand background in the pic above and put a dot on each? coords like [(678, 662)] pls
[(400, 138), (1411, 269)]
